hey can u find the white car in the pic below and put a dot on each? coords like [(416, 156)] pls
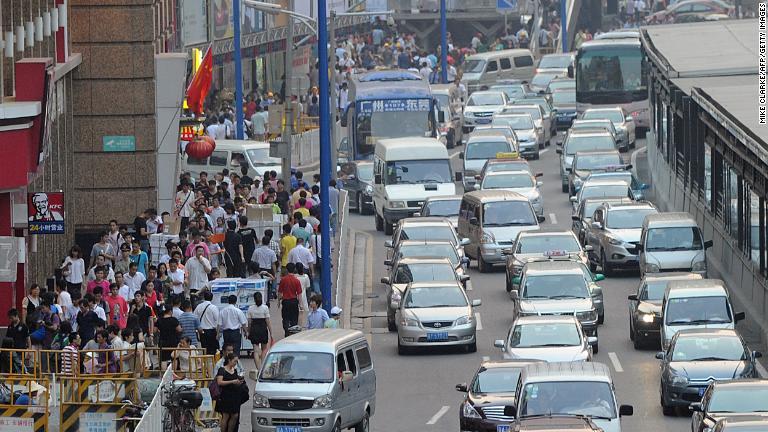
[(521, 182), (549, 338), (624, 124), (481, 106)]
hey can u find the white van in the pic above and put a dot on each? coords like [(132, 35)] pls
[(316, 380), (486, 69), (694, 304), (672, 242), (232, 154), (406, 171)]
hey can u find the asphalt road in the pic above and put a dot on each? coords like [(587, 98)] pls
[(416, 392)]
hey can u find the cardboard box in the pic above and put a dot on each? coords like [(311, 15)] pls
[(260, 212), (171, 224)]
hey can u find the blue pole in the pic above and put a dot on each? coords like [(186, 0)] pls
[(325, 155), (443, 44), (563, 25), (238, 72)]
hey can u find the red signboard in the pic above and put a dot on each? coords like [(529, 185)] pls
[(45, 211)]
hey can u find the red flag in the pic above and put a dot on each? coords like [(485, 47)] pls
[(200, 84)]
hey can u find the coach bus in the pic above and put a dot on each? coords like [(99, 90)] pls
[(610, 72), (386, 104)]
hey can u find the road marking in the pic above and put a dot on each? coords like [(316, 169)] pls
[(553, 219), (541, 152), (615, 360), (455, 155), (486, 358), (441, 412), (633, 156), (761, 370), (479, 325), (469, 286)]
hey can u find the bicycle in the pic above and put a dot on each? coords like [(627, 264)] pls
[(133, 415), (180, 400)]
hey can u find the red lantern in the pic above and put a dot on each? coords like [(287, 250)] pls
[(201, 147)]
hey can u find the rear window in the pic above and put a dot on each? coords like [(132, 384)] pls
[(523, 61)]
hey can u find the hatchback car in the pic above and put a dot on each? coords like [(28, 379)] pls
[(436, 314), (581, 141), (694, 358), (539, 244), (546, 103), (636, 187), (624, 124), (430, 249), (587, 162), (547, 338), (645, 306), (521, 182), (555, 64), (481, 106), (479, 149), (445, 206), (726, 399), (615, 233), (489, 398), (564, 101), (539, 116)]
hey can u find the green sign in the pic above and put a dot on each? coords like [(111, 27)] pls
[(119, 143)]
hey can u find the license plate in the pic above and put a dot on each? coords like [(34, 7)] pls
[(503, 428), (701, 391), (288, 429), (437, 337), (483, 121)]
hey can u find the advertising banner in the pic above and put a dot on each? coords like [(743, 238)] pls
[(46, 212), (194, 19)]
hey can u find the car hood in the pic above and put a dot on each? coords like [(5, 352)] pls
[(486, 399), (509, 233), (652, 306), (715, 416), (565, 108), (419, 192), (705, 370), (557, 306), (525, 135), (675, 259), (483, 108), (550, 354), (474, 165), (439, 314), (292, 390), (628, 235)]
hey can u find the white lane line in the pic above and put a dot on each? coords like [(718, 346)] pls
[(469, 286), (479, 321), (441, 412), (455, 155), (633, 156), (615, 360), (486, 358), (553, 219), (761, 370), (541, 152)]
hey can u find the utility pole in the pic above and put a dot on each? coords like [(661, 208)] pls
[(334, 91), (325, 154), (563, 26), (443, 44), (288, 103), (239, 134)]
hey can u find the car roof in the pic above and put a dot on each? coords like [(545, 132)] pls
[(508, 172), (410, 242), (672, 218), (604, 200), (710, 332), (603, 182), (596, 152), (486, 92), (450, 283), (486, 138), (634, 205), (602, 110), (424, 221), (654, 277), (443, 198), (516, 105), (545, 319), (588, 133), (318, 340), (696, 288), (545, 233), (490, 195), (511, 363), (567, 371), (554, 266), (423, 260)]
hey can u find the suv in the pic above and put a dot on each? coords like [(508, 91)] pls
[(615, 233), (558, 288)]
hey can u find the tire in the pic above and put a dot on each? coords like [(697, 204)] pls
[(566, 188), (391, 324), (637, 342), (337, 426), (362, 209), (481, 264), (365, 424), (508, 284), (667, 410), (607, 269), (450, 140), (596, 348), (601, 318), (379, 222), (388, 228), (536, 156), (472, 348), (401, 350), (631, 332)]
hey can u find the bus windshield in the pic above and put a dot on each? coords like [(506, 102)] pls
[(613, 72)]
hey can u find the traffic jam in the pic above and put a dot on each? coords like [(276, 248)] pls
[(471, 200)]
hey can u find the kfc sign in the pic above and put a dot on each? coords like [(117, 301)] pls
[(46, 212)]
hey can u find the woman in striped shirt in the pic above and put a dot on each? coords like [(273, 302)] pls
[(70, 358)]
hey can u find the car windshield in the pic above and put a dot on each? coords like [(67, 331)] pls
[(577, 143), (407, 273), (654, 290), (628, 219), (594, 162), (442, 208), (434, 297), (564, 98), (365, 172), (541, 80), (555, 61), (673, 239), (595, 191), (481, 99), (589, 398), (508, 213), (485, 149), (260, 157), (708, 348), (535, 244), (613, 115), (542, 335), (515, 122), (493, 130), (519, 165), (732, 400), (473, 66), (298, 367), (442, 232), (430, 250), (418, 171), (555, 286), (508, 181), (558, 84), (496, 380), (534, 112), (697, 310), (512, 91)]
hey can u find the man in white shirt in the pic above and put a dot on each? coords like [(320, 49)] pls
[(122, 289), (208, 314), (300, 254), (425, 71), (197, 269), (177, 277), (232, 322), (185, 200), (101, 261), (212, 129), (259, 125), (133, 281), (217, 211)]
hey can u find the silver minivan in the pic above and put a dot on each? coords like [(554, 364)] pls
[(316, 380), (672, 242)]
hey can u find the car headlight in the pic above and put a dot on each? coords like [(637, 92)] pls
[(469, 114), (587, 315), (679, 380), (469, 411), (651, 268), (396, 204), (699, 266), (409, 322), (488, 238), (324, 401), (536, 199), (647, 318), (369, 190), (614, 241), (260, 401), (467, 319)]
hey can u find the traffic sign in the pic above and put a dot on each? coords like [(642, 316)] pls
[(506, 5)]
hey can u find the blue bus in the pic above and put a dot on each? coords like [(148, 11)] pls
[(386, 104)]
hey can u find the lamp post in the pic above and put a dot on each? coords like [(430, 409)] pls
[(563, 26), (238, 71), (443, 44), (325, 155)]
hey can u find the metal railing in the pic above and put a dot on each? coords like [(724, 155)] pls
[(408, 6)]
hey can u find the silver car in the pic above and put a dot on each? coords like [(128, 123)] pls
[(539, 244), (587, 162), (581, 141), (601, 189), (615, 233), (445, 206), (582, 216), (521, 182), (481, 106), (431, 249), (528, 136), (624, 124), (725, 401), (436, 314), (477, 152), (425, 228), (599, 124), (548, 338), (539, 115)]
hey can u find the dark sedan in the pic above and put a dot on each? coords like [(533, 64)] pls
[(695, 358), (564, 101), (358, 181), (490, 397), (736, 399)]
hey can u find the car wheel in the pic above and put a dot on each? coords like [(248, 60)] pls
[(481, 264), (571, 192), (601, 318), (337, 426), (391, 324), (450, 141), (536, 156), (379, 222), (666, 409), (566, 187), (401, 350), (631, 331), (592, 265), (362, 210), (508, 284), (607, 269), (365, 423), (388, 228), (596, 348), (472, 348)]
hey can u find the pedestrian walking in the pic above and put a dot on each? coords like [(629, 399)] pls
[(259, 329), (231, 385), (232, 322), (208, 314), (288, 294)]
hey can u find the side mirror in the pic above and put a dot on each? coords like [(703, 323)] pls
[(599, 277), (514, 295), (632, 297), (465, 260), (588, 248), (388, 263), (461, 155), (644, 186), (539, 183), (696, 406), (572, 199), (739, 316), (377, 179), (559, 151), (592, 340), (541, 218), (441, 116), (628, 166), (459, 176), (516, 280), (570, 71), (347, 376), (639, 247), (464, 278), (626, 410), (660, 355), (476, 302), (595, 225), (417, 214), (385, 280), (756, 354), (575, 218), (461, 387), (474, 221), (498, 343), (537, 175), (464, 242), (708, 244), (388, 244)]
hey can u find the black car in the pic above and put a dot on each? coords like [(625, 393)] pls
[(490, 397), (564, 101), (357, 179)]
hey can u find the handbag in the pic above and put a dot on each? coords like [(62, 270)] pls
[(214, 389), (38, 335), (245, 393)]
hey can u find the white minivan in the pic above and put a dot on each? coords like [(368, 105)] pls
[(232, 154), (672, 242), (406, 171)]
